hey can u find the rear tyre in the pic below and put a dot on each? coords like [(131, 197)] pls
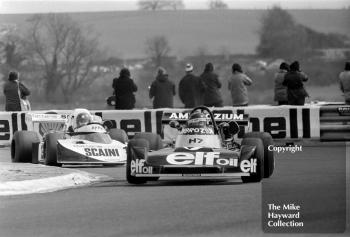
[(154, 140), (135, 144), (118, 135), (259, 156), (269, 160), (51, 149), (21, 146)]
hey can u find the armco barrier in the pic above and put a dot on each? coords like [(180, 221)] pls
[(292, 123), (335, 123)]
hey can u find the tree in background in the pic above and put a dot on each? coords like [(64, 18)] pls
[(160, 4), (11, 49), (157, 48), (217, 5), (281, 36), (63, 51)]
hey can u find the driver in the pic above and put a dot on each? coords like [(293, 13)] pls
[(197, 120), (80, 117)]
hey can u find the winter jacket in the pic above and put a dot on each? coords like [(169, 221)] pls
[(163, 91), (212, 96), (344, 78), (280, 89), (12, 96), (190, 90), (237, 86), (293, 80), (124, 88)]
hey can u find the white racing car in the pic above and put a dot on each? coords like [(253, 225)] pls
[(78, 138)]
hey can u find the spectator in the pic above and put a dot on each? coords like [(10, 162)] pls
[(124, 88), (163, 90), (212, 85), (14, 91), (237, 86), (280, 90), (344, 78), (293, 80), (190, 88)]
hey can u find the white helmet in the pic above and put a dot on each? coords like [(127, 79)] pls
[(80, 117)]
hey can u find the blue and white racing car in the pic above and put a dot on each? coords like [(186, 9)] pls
[(203, 149), (78, 138)]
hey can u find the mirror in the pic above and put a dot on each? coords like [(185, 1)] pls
[(108, 124), (174, 124), (228, 130)]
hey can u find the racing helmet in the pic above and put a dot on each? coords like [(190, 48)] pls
[(82, 119), (197, 120)]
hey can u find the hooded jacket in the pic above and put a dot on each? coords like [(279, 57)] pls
[(124, 88), (163, 91), (237, 86), (210, 80)]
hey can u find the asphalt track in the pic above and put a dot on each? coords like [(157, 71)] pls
[(177, 208)]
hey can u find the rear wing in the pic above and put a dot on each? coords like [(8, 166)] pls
[(219, 116), (45, 123)]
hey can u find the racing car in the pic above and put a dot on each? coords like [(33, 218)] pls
[(204, 148), (77, 138)]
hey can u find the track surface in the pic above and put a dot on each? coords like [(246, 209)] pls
[(227, 208)]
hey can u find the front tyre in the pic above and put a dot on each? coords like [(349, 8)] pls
[(51, 148), (135, 151), (269, 160), (21, 146), (259, 156), (118, 135)]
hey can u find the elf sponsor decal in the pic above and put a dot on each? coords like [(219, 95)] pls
[(210, 158), (138, 167), (101, 152)]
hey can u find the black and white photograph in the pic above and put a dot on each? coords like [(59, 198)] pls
[(154, 118)]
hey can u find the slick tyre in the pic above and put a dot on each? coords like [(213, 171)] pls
[(269, 160), (51, 149), (137, 144), (154, 140), (118, 135), (259, 155), (21, 146)]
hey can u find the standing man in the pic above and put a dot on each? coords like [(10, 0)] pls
[(162, 90), (190, 88), (14, 91), (210, 80), (293, 80), (344, 78), (280, 90), (238, 86), (124, 88)]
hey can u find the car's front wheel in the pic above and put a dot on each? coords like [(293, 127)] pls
[(258, 175), (135, 153), (51, 148)]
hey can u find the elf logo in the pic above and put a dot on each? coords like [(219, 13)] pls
[(138, 167), (200, 158)]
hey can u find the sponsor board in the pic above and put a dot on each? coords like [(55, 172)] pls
[(283, 122)]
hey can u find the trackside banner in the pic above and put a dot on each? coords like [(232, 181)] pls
[(283, 122)]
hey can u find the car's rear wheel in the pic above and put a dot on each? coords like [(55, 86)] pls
[(51, 148), (118, 135), (259, 156), (21, 146), (269, 160), (136, 150)]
